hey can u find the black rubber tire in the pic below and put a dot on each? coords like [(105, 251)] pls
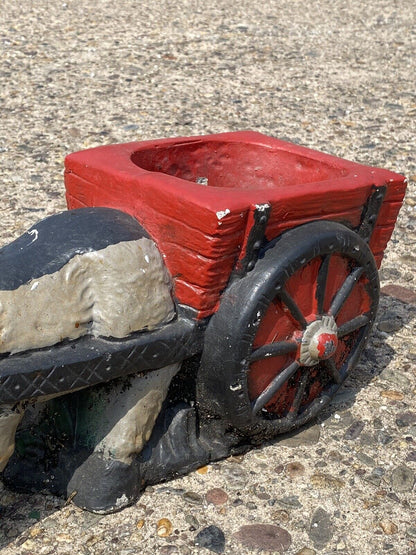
[(222, 390)]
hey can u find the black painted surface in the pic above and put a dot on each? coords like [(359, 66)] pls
[(371, 212), (52, 455), (91, 360)]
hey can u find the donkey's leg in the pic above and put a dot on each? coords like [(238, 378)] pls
[(10, 417)]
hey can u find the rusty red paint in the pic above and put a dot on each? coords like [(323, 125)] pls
[(326, 344)]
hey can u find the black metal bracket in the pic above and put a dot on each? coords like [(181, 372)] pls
[(370, 213), (258, 218)]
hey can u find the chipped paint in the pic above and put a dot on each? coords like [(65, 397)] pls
[(236, 387), (35, 234), (262, 207), (222, 213)]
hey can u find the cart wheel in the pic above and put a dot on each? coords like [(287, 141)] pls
[(287, 334)]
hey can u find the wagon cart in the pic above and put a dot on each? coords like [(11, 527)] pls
[(272, 252)]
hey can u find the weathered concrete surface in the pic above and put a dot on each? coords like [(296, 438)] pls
[(332, 75)]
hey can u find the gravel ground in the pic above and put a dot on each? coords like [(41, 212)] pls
[(334, 75)]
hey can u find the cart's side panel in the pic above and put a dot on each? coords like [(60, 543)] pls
[(200, 263), (180, 231), (200, 229)]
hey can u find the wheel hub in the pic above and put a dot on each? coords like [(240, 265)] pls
[(319, 341)]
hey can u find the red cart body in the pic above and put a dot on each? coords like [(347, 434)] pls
[(196, 196)]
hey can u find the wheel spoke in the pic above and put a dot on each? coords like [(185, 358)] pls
[(321, 283), (274, 386), (293, 308), (294, 409), (273, 350), (353, 325), (330, 365), (345, 290)]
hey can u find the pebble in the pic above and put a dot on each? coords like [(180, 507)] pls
[(397, 378), (239, 458), (268, 537), (405, 419), (335, 456), (295, 469), (281, 515), (64, 538), (403, 294), (377, 423), (367, 440), (390, 325), (411, 531), (89, 519), (343, 397), (236, 475), (35, 531), (365, 459), (291, 502), (30, 546), (203, 470), (306, 551), (193, 498), (216, 496), (192, 521), (383, 438), (212, 538), (392, 395), (169, 550), (343, 420), (402, 479), (411, 457), (370, 503), (321, 480), (388, 527), (321, 529), (164, 527), (354, 430)]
